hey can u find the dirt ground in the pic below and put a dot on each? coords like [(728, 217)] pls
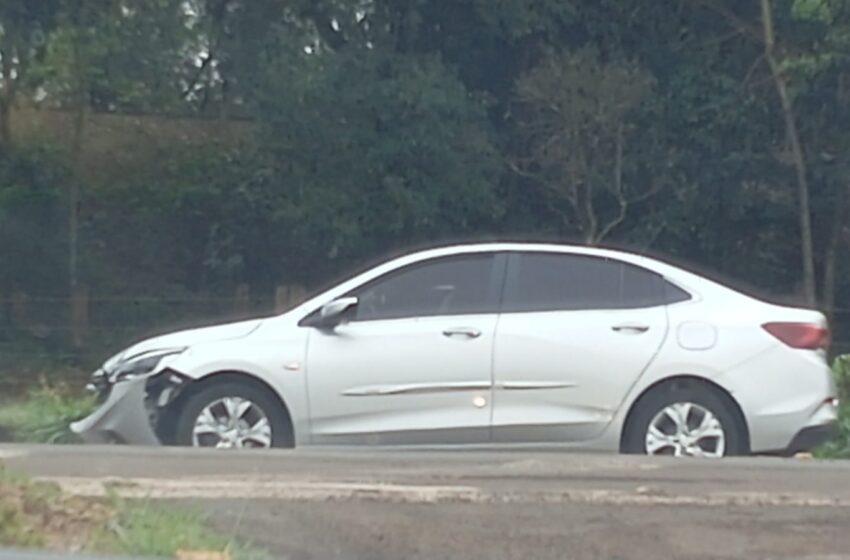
[(479, 505), (379, 531)]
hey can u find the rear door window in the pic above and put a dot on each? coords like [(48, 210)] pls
[(540, 281)]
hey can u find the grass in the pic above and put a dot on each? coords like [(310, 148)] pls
[(38, 515), (19, 504), (145, 529), (44, 415)]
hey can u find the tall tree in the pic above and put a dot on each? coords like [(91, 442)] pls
[(374, 151), (798, 156), (235, 40)]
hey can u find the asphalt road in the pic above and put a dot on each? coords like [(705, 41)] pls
[(480, 504)]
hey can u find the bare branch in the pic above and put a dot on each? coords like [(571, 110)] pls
[(713, 41), (196, 78), (618, 187), (749, 76), (618, 161), (522, 172), (655, 235), (740, 24), (647, 194), (535, 177)]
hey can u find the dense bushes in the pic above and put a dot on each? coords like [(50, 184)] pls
[(839, 447), (33, 182)]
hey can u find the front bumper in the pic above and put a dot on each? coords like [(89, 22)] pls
[(122, 418)]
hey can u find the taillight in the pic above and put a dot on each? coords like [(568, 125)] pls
[(806, 336)]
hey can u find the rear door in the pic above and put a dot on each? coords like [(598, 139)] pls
[(575, 334)]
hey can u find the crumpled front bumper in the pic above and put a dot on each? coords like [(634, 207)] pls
[(122, 418)]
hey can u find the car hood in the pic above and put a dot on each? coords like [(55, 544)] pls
[(187, 338)]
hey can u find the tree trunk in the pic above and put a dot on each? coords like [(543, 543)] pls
[(7, 94), (74, 194), (5, 121), (831, 258), (80, 117), (793, 137), (78, 303)]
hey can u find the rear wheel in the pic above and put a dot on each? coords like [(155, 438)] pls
[(684, 420), (233, 415)]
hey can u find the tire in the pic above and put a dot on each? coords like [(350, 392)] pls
[(216, 395), (660, 405)]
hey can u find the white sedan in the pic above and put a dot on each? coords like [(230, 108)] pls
[(493, 344)]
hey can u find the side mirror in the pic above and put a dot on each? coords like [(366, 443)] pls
[(336, 312)]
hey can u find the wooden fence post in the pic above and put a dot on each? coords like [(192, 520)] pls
[(297, 295), (242, 303), (79, 316), (281, 298), (287, 296), (19, 310)]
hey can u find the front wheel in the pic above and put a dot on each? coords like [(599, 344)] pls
[(233, 415), (684, 421)]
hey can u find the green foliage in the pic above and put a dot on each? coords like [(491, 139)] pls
[(24, 29), (102, 52), (371, 152), (519, 18), (190, 209), (839, 446), (31, 182), (841, 370), (815, 10), (45, 414)]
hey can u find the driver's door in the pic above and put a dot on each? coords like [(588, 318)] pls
[(414, 363)]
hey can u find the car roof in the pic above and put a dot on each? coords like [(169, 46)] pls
[(501, 246)]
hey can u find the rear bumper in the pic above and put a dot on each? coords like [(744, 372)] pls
[(809, 438), (781, 393)]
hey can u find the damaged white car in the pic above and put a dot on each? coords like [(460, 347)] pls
[(489, 344)]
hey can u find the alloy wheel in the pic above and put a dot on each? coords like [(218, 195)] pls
[(685, 429), (232, 422)]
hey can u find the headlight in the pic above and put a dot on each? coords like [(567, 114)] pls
[(142, 364)]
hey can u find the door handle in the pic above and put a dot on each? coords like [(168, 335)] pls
[(630, 328), (468, 332)]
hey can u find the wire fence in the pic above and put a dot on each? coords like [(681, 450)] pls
[(93, 318), (62, 338), (57, 337)]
